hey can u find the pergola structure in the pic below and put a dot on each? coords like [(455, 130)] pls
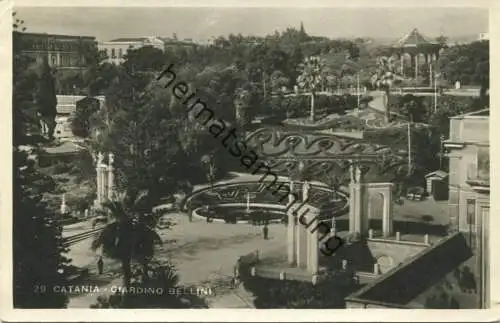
[(418, 49), (318, 154)]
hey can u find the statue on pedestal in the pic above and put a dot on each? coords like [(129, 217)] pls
[(100, 158), (291, 197), (356, 173)]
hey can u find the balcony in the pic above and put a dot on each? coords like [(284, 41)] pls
[(478, 178)]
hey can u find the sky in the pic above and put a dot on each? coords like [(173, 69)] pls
[(203, 23)]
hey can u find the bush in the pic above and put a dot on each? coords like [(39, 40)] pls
[(275, 293), (61, 168), (162, 278)]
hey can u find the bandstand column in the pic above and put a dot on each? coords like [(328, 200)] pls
[(416, 66)]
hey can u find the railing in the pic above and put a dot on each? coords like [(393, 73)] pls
[(478, 176)]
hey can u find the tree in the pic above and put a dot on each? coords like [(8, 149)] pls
[(129, 233), (80, 122), (311, 78), (278, 80), (38, 261), (46, 98), (467, 63), (24, 81), (146, 58), (384, 78), (242, 106), (39, 265)]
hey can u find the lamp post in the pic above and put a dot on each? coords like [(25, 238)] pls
[(357, 87), (409, 144), (436, 75)]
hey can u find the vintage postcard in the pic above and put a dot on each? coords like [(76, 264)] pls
[(233, 158)]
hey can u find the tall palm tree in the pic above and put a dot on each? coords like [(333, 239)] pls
[(129, 232), (384, 78), (311, 78)]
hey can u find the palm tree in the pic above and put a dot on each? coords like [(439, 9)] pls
[(129, 232), (384, 78), (311, 78)]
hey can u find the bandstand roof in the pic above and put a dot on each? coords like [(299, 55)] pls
[(413, 39)]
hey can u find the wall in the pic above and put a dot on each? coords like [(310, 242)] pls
[(398, 251)]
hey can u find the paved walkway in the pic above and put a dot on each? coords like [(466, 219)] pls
[(204, 254)]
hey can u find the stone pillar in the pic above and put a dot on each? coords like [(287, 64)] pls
[(416, 66), (387, 225), (358, 222), (291, 238), (104, 183), (312, 254), (99, 179), (111, 178), (301, 244)]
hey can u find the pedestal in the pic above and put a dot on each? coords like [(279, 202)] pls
[(355, 209), (301, 245), (387, 220), (312, 243)]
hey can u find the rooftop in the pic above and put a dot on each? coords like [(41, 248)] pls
[(406, 282), (413, 39), (136, 39), (482, 114), (66, 147), (58, 36)]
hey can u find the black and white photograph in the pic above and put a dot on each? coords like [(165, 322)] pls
[(251, 157)]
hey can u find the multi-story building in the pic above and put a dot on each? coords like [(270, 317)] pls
[(469, 186), (484, 36), (171, 44), (61, 51), (116, 49)]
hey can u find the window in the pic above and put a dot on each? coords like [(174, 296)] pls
[(483, 162), (120, 53), (113, 55), (471, 212), (54, 60)]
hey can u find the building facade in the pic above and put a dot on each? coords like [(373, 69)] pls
[(61, 51), (469, 187), (66, 107), (116, 49), (484, 36)]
